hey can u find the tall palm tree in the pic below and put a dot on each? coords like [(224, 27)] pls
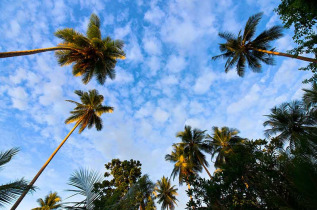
[(51, 201), (10, 191), (86, 114), (194, 145), (290, 121), (92, 55), (221, 142), (243, 48), (166, 193), (83, 180)]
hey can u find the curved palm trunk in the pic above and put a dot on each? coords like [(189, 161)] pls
[(205, 168), (43, 167), (285, 55), (30, 52)]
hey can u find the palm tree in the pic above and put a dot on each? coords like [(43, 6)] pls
[(290, 121), (83, 180), (86, 114), (241, 49), (139, 194), (51, 201), (10, 191), (194, 145), (166, 193), (182, 166), (310, 96), (92, 55), (221, 142)]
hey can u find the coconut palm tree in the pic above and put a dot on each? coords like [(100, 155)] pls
[(183, 168), (310, 96), (91, 55), (221, 142), (51, 201), (83, 180), (139, 195), (290, 121), (242, 49), (10, 191), (86, 114), (194, 145), (166, 193)]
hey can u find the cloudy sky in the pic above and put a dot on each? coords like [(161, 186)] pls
[(167, 81)]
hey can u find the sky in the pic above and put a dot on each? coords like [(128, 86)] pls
[(167, 81)]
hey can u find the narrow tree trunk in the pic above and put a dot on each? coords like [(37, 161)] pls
[(285, 55), (43, 167), (30, 52), (201, 162)]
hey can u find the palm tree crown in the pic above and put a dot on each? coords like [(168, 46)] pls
[(194, 143), (310, 96), (166, 193), (182, 166), (221, 142), (51, 201), (88, 112), (290, 121), (242, 49), (92, 55)]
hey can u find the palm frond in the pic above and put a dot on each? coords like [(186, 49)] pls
[(6, 156)]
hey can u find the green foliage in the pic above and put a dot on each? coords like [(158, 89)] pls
[(266, 174), (302, 14), (83, 181), (291, 121), (10, 191), (241, 49), (88, 112), (51, 201), (166, 193), (91, 55), (221, 142), (124, 175)]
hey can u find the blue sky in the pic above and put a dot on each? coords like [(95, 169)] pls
[(168, 80)]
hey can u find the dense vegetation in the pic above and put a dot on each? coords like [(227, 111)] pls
[(278, 172)]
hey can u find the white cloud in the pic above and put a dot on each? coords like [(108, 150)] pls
[(176, 63), (154, 15), (203, 83), (122, 32), (19, 98), (133, 51), (160, 115), (152, 46)]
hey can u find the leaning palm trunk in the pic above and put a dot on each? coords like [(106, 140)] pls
[(43, 167), (285, 55), (30, 52), (205, 167)]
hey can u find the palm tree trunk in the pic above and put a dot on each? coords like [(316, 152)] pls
[(205, 167), (43, 167), (30, 52), (285, 55)]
